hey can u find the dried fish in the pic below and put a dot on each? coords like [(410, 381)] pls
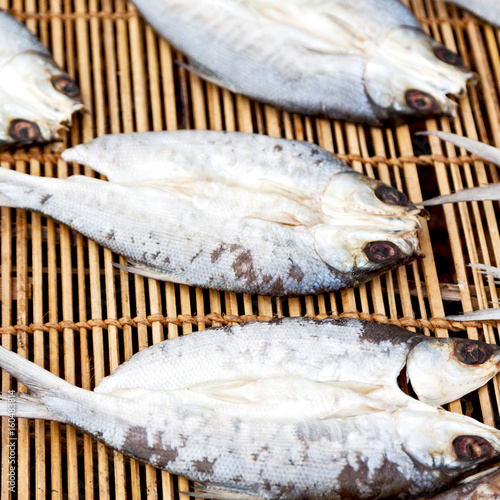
[(36, 96), (362, 61), (485, 9), (440, 370), (277, 424), (230, 211)]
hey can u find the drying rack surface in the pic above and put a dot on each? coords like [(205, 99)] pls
[(65, 306)]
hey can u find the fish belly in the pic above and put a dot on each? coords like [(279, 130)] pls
[(331, 350)]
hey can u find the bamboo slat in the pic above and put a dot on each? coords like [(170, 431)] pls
[(65, 306)]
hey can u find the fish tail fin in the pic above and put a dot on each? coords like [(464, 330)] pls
[(21, 405), (38, 381), (7, 177)]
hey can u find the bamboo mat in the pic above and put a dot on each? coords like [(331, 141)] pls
[(64, 305)]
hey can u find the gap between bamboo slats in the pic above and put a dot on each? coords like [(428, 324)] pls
[(130, 82)]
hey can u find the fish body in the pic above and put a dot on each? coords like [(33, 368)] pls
[(365, 61), (489, 10), (278, 419), (36, 96), (332, 350), (229, 211)]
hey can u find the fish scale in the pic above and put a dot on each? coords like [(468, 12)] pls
[(287, 409), (242, 213), (360, 61)]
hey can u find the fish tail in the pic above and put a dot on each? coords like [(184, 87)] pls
[(21, 405), (38, 381), (7, 177)]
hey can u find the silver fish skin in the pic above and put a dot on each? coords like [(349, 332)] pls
[(240, 436), (488, 10), (338, 351), (229, 211), (361, 61), (37, 98)]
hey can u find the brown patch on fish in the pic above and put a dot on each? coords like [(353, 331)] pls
[(136, 444), (197, 255), (375, 334), (277, 288), (243, 267), (278, 148), (285, 489), (352, 481), (204, 466), (217, 253), (296, 273)]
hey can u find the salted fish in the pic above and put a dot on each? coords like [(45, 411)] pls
[(229, 211), (360, 61), (37, 98), (359, 352), (489, 10), (265, 428)]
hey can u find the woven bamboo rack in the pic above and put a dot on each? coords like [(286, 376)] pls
[(65, 306)]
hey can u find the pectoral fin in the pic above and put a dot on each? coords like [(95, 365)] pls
[(205, 75), (217, 494), (485, 151), (147, 272), (283, 218)]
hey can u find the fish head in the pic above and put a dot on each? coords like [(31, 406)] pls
[(369, 227), (443, 370), (413, 74), (446, 442), (41, 99)]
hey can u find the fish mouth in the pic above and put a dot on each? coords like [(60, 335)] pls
[(368, 225), (412, 74)]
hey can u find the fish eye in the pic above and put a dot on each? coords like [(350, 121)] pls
[(470, 448), (382, 252), (65, 85), (24, 131), (447, 56), (421, 101), (391, 196), (473, 352)]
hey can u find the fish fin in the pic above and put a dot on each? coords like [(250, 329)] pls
[(136, 268), (179, 187), (205, 75), (224, 390), (491, 192), (23, 405), (34, 377), (217, 494), (485, 151), (489, 270), (291, 193), (358, 387), (355, 410), (282, 218), (9, 176), (491, 314)]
